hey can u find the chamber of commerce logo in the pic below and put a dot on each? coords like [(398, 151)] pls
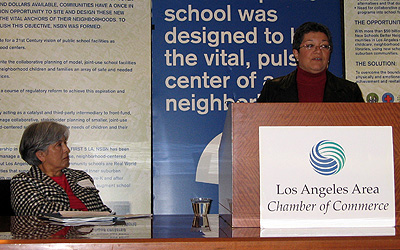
[(327, 157)]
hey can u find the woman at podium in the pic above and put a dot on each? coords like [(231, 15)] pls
[(311, 81), (50, 186)]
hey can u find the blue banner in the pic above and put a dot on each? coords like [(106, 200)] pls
[(205, 55)]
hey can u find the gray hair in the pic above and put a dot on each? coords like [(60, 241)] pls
[(38, 137)]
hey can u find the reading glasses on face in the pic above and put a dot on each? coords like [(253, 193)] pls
[(323, 47)]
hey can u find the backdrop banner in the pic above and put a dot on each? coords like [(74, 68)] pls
[(207, 54), (372, 48), (85, 64)]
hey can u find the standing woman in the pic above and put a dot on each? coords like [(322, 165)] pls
[(311, 81), (50, 186)]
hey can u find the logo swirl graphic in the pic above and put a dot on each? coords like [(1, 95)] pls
[(327, 157)]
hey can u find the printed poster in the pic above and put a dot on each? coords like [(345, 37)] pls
[(85, 64)]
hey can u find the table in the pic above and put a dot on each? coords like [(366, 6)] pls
[(168, 232)]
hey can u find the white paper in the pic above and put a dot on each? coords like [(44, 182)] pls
[(86, 183)]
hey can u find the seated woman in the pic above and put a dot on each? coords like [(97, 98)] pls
[(50, 186)]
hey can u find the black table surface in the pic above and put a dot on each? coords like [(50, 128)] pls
[(156, 227), (159, 226)]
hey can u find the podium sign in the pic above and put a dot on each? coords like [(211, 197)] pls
[(326, 176)]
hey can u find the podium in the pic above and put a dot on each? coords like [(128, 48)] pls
[(239, 175)]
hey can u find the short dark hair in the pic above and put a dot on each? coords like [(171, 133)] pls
[(307, 28), (38, 137)]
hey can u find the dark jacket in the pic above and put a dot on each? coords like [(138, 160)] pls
[(284, 89), (34, 193)]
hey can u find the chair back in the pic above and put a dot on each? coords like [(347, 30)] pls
[(5, 198)]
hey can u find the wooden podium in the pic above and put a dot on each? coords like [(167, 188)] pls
[(239, 176)]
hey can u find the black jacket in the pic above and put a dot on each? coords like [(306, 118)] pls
[(34, 193), (284, 89)]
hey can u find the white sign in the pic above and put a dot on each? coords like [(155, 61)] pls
[(326, 177)]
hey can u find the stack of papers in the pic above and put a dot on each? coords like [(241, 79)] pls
[(77, 218)]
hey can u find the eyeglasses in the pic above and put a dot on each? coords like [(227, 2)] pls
[(323, 47)]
